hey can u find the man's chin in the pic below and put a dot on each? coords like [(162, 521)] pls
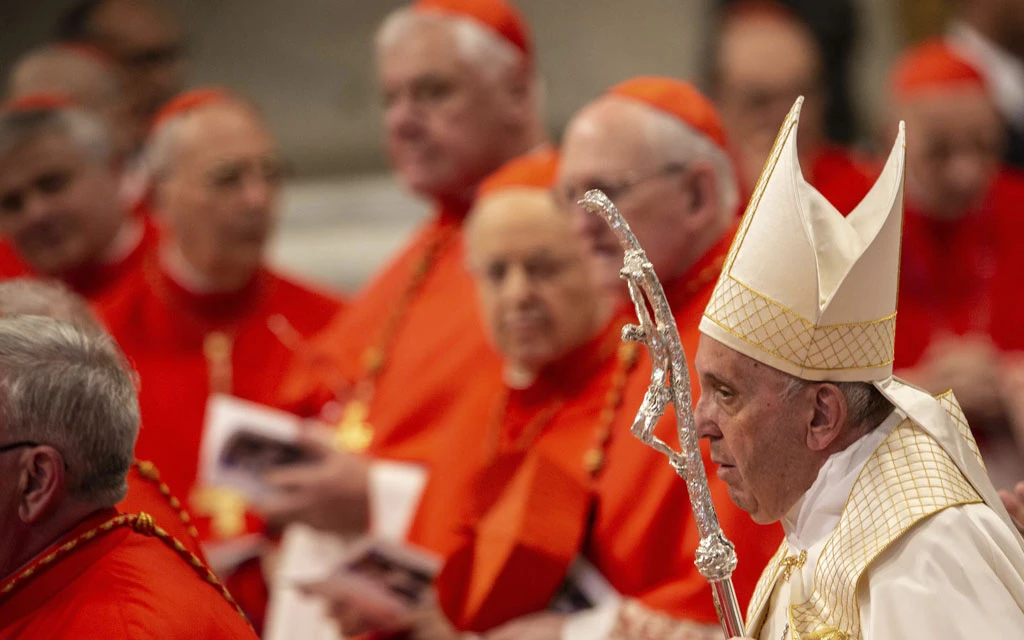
[(744, 501)]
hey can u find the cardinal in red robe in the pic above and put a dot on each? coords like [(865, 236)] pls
[(203, 314), (960, 312), (79, 229), (557, 472), (387, 367), (115, 574)]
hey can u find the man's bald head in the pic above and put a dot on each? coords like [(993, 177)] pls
[(763, 58), (218, 177), (85, 77), (140, 35), (675, 187)]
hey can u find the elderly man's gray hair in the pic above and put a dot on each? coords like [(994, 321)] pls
[(87, 132), (49, 298), (70, 389), (866, 407)]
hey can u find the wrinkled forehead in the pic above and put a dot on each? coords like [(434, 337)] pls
[(40, 151), (136, 24), (218, 130), (956, 108), (714, 358), (610, 135), (766, 51)]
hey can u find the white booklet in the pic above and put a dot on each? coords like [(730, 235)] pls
[(387, 577), (242, 441)]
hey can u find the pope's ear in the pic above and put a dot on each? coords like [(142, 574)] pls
[(829, 417)]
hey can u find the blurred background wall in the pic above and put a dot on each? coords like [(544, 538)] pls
[(309, 65)]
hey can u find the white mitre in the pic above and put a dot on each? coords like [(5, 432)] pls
[(813, 294)]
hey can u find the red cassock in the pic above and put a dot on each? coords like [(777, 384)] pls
[(185, 345), (147, 493), (418, 322), (113, 577), (963, 276), (529, 504), (96, 282)]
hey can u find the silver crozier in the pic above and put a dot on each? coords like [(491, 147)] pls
[(670, 384)]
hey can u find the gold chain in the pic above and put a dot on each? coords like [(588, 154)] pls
[(142, 523)]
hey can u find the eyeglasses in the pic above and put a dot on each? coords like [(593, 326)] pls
[(27, 443), (569, 196), (17, 445)]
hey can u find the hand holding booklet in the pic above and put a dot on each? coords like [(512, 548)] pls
[(383, 579), (242, 441)]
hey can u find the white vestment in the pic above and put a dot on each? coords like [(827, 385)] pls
[(956, 574)]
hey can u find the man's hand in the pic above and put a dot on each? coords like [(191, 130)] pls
[(428, 622), (539, 626), (328, 492), (1014, 503), (355, 613), (969, 365)]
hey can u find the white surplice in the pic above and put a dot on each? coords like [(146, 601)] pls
[(957, 574)]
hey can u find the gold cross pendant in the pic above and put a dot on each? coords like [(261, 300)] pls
[(789, 563), (353, 432)]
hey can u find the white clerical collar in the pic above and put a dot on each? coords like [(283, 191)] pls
[(817, 512), (178, 269), (1003, 71), (127, 239)]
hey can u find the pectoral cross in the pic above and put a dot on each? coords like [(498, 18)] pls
[(217, 347), (224, 507), (353, 432), (789, 563)]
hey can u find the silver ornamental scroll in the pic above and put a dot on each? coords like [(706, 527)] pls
[(670, 384)]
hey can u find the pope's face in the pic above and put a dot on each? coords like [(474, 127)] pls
[(220, 193), (59, 207), (757, 443), (953, 150), (444, 118), (533, 277), (609, 146)]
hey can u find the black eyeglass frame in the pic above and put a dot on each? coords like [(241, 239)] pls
[(17, 445)]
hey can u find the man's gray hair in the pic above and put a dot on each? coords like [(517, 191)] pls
[(477, 44), (70, 389), (866, 407), (87, 132), (49, 298), (681, 144)]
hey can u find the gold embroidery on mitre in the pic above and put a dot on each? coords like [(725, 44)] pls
[(908, 478), (762, 183), (756, 318), (773, 328)]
